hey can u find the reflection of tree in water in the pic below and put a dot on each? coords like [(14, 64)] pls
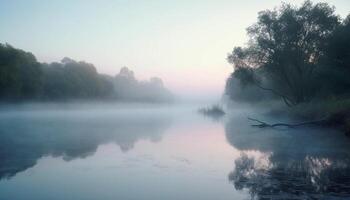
[(26, 138), (294, 164), (313, 178)]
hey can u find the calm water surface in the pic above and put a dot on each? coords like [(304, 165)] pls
[(85, 151)]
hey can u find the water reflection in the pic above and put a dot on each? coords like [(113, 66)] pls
[(305, 163), (28, 135)]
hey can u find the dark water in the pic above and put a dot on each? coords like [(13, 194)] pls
[(85, 151)]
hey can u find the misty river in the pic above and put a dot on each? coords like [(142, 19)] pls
[(163, 152)]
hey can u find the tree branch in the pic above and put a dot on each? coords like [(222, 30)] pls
[(264, 124), (286, 100)]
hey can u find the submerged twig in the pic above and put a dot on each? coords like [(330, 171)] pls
[(264, 124)]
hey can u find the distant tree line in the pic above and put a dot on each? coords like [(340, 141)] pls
[(23, 78), (296, 54), (126, 87)]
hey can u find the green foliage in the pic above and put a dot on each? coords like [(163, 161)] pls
[(320, 109), (23, 78), (336, 62), (20, 74), (71, 79), (295, 53)]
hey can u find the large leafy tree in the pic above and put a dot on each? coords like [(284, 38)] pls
[(285, 50)]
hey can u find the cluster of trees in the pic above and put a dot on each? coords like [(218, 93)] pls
[(126, 86), (71, 79), (20, 74), (296, 54), (22, 77)]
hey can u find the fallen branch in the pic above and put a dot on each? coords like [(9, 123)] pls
[(264, 124)]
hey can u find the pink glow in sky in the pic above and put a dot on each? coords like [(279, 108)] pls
[(183, 42)]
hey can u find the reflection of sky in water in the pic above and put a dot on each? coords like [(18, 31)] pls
[(119, 152), (104, 153)]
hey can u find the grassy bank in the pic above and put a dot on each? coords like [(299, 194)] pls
[(337, 113)]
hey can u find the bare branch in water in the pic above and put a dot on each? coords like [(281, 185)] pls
[(264, 124)]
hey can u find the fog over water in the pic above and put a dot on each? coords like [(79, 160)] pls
[(175, 100), (167, 151)]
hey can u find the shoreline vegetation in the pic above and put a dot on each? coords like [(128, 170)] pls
[(335, 113), (299, 56), (24, 79)]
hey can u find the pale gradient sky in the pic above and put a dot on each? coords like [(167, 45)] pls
[(185, 42)]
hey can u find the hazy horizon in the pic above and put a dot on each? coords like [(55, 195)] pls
[(184, 42)]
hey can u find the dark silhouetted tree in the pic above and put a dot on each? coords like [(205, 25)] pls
[(285, 50)]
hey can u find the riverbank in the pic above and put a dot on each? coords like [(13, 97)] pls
[(333, 113)]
